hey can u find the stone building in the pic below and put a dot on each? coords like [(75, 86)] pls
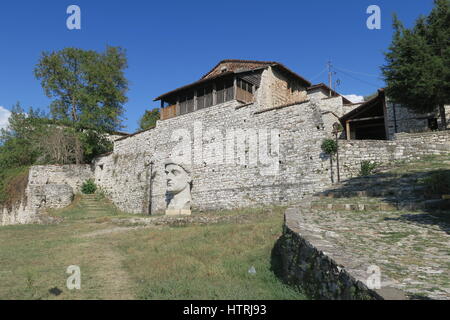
[(381, 119), (250, 135)]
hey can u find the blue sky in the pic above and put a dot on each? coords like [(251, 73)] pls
[(172, 43)]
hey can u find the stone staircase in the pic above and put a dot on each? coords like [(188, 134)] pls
[(95, 205), (384, 191)]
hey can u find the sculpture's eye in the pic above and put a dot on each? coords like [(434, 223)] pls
[(175, 172)]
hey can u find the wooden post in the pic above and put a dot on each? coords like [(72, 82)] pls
[(234, 88), (150, 190), (195, 100), (178, 107), (214, 95), (347, 129)]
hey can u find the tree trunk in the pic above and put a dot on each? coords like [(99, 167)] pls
[(331, 168), (443, 119)]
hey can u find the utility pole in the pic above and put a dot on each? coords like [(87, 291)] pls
[(330, 75), (150, 191)]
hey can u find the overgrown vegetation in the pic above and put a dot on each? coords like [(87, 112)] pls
[(367, 168), (89, 187), (13, 183), (148, 120), (33, 138)]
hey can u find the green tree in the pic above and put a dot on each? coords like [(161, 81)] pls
[(417, 72), (88, 87), (17, 146), (330, 148), (148, 120)]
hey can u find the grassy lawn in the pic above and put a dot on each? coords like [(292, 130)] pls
[(144, 262)]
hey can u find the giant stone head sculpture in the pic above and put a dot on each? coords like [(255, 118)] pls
[(178, 189)]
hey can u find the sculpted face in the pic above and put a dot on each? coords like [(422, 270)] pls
[(177, 178)]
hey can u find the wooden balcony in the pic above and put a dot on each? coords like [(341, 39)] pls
[(244, 95), (169, 112)]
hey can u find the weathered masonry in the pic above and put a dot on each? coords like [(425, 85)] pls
[(238, 114), (380, 119)]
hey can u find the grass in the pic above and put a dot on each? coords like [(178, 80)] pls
[(156, 262)]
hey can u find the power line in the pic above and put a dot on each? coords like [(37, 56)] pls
[(318, 75), (357, 79), (360, 73)]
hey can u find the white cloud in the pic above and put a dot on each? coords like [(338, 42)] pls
[(4, 116), (354, 98)]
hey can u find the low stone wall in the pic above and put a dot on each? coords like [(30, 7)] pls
[(49, 187), (406, 146), (305, 263), (71, 175)]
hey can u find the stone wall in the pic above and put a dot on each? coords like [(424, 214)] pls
[(401, 119), (71, 175), (300, 169), (48, 186), (276, 89), (406, 146), (310, 258)]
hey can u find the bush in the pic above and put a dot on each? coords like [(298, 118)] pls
[(89, 187), (367, 168), (329, 146), (438, 183)]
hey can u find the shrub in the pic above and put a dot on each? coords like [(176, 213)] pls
[(367, 168), (438, 183), (329, 146), (89, 187)]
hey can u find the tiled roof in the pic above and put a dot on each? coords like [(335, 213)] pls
[(327, 88), (231, 66)]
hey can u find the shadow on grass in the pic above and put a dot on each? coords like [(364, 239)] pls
[(404, 191)]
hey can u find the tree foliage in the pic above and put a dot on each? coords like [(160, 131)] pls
[(87, 87), (417, 71), (148, 120), (33, 138)]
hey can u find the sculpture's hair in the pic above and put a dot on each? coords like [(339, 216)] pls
[(183, 166)]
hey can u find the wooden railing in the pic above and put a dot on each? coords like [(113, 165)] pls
[(168, 112), (244, 95)]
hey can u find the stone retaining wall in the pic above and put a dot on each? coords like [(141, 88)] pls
[(406, 146), (307, 264), (50, 186)]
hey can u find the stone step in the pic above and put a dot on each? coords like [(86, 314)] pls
[(437, 204), (408, 205), (376, 192)]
